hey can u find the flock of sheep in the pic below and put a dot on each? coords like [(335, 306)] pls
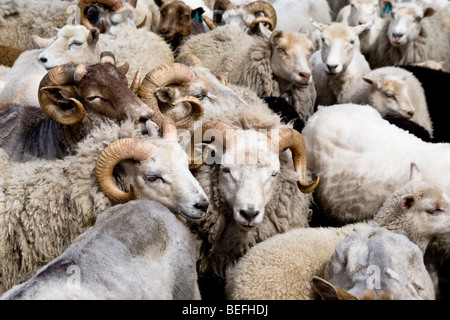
[(237, 149)]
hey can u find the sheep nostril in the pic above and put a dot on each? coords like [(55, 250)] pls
[(249, 215), (202, 206), (163, 31), (304, 76), (43, 59)]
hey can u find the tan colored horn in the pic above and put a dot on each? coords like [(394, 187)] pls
[(107, 57), (59, 76), (189, 59), (114, 5), (211, 25), (136, 81), (175, 73), (197, 110), (142, 24), (268, 11), (223, 5), (116, 152), (292, 139)]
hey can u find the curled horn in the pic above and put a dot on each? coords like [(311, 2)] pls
[(292, 139), (59, 76), (197, 110), (163, 75), (124, 149), (223, 128), (114, 5), (270, 15), (189, 59)]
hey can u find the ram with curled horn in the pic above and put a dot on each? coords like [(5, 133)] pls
[(257, 183), (73, 99)]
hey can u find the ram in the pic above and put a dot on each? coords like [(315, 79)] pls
[(283, 266), (45, 204), (413, 34), (339, 65), (73, 98), (147, 253)]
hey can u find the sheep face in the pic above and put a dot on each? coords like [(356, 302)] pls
[(390, 96), (73, 44), (363, 11), (247, 177), (175, 21), (405, 23), (96, 13), (290, 53), (338, 45), (165, 176)]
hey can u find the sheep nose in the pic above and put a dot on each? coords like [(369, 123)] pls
[(397, 35), (305, 76), (202, 206), (163, 32), (146, 116), (249, 214), (43, 59), (332, 67)]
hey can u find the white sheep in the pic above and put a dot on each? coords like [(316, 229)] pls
[(394, 91), (45, 205), (137, 250), (275, 64), (128, 44), (283, 266), (361, 12), (378, 263), (339, 65), (413, 34)]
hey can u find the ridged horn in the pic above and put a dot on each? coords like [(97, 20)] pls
[(196, 107), (161, 76), (120, 150), (292, 139), (211, 25), (268, 11), (59, 76), (136, 81), (189, 59), (223, 5)]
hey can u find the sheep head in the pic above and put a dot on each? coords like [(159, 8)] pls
[(363, 11), (70, 93), (389, 95), (338, 43), (248, 165), (290, 53), (245, 17), (405, 22), (94, 13), (72, 44), (157, 170)]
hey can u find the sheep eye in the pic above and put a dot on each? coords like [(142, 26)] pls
[(226, 170), (389, 94), (152, 178), (76, 43), (280, 49), (434, 212), (418, 19), (352, 42), (92, 98), (274, 174), (200, 96)]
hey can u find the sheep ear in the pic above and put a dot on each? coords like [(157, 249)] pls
[(415, 174), (319, 26), (275, 37), (408, 202), (93, 36), (166, 94), (159, 3), (363, 27), (123, 69), (330, 292), (58, 94), (265, 32), (42, 42), (370, 81), (428, 12)]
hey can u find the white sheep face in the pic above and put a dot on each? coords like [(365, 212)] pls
[(363, 11), (238, 17), (73, 44), (165, 176), (338, 45), (390, 95), (405, 23), (247, 177)]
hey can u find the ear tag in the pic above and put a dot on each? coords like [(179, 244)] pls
[(387, 9)]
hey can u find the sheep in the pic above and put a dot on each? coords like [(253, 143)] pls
[(72, 97), (431, 81), (264, 67), (46, 204), (128, 44), (178, 21), (361, 12), (249, 203), (381, 263), (394, 91), (413, 34), (338, 65), (20, 19), (283, 266), (137, 250)]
